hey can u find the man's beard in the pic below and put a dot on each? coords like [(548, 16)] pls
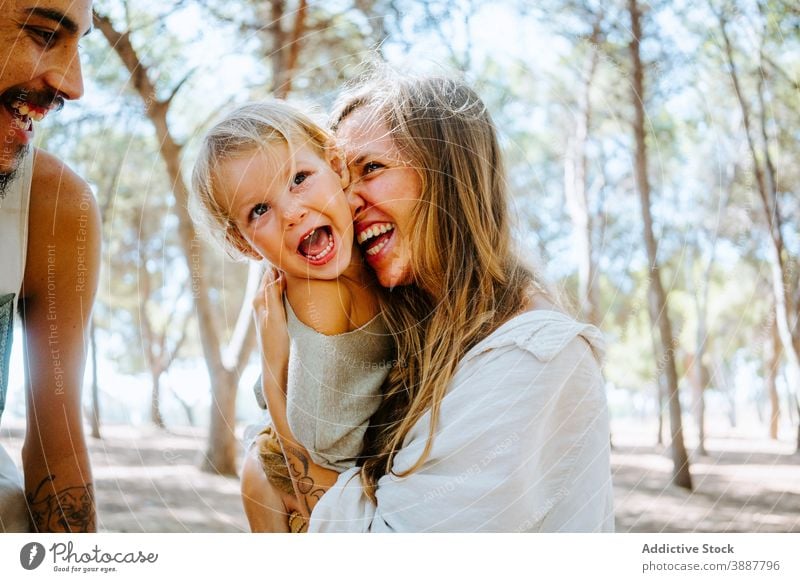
[(7, 178)]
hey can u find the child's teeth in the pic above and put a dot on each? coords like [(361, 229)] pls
[(23, 109), (21, 123), (324, 252)]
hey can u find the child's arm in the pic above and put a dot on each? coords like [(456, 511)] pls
[(309, 479), (324, 306)]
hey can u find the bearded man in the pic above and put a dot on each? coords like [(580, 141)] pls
[(49, 257)]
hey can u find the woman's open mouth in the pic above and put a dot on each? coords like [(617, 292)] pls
[(318, 245), (373, 238)]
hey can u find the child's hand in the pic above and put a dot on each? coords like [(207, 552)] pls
[(270, 319)]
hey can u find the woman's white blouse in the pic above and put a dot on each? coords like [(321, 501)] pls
[(522, 444)]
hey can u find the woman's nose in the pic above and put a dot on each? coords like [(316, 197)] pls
[(354, 199)]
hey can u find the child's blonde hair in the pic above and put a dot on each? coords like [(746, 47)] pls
[(241, 132)]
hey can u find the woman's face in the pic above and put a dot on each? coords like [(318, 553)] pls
[(384, 191)]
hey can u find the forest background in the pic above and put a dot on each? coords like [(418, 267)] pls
[(651, 152)]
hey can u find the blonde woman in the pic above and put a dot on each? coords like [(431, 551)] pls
[(494, 416)]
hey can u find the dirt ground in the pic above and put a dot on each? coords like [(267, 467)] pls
[(147, 480), (740, 485)]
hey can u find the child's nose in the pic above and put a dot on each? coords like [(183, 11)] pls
[(294, 213)]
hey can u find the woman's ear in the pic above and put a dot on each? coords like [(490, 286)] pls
[(335, 158)]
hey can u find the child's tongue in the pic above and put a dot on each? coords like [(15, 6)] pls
[(316, 243)]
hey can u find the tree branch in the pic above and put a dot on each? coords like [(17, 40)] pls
[(287, 75), (121, 43), (168, 101)]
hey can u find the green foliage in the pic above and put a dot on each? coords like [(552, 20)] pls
[(712, 234)]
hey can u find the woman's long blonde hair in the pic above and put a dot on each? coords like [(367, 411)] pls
[(467, 277)]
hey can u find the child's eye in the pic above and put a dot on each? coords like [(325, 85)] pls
[(258, 211), (370, 167), (299, 178)]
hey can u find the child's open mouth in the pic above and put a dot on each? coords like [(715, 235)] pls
[(373, 238), (317, 246)]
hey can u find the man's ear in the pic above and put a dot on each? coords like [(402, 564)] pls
[(335, 158)]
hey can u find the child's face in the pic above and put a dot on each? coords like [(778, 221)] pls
[(293, 212)]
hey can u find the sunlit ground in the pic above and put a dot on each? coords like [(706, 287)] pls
[(148, 481), (745, 483)]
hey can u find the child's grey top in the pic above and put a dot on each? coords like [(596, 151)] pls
[(334, 387)]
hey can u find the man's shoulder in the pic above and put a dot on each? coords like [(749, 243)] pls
[(56, 188), (64, 229)]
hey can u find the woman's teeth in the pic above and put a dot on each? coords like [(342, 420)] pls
[(372, 232), (376, 249)]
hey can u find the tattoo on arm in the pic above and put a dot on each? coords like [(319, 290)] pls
[(71, 509), (309, 492)]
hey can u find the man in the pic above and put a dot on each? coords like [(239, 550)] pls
[(49, 256)]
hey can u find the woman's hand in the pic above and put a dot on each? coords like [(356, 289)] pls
[(271, 328)]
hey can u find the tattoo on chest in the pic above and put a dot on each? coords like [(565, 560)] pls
[(70, 509)]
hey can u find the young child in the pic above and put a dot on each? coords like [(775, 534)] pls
[(269, 185)]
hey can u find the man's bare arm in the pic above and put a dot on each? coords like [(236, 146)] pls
[(59, 287)]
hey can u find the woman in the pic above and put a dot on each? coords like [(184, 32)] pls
[(494, 417)]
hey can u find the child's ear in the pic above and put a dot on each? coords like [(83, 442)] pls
[(335, 158), (242, 246)]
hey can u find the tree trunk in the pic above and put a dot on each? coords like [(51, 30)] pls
[(94, 420), (772, 360), (783, 277), (698, 382), (220, 454), (221, 449), (187, 408), (797, 408), (576, 189), (155, 399), (699, 372), (658, 304), (660, 394)]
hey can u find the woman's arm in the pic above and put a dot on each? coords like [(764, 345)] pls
[(309, 479)]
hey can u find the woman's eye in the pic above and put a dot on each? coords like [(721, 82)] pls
[(258, 211), (299, 178)]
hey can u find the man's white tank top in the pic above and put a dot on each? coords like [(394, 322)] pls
[(13, 249)]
